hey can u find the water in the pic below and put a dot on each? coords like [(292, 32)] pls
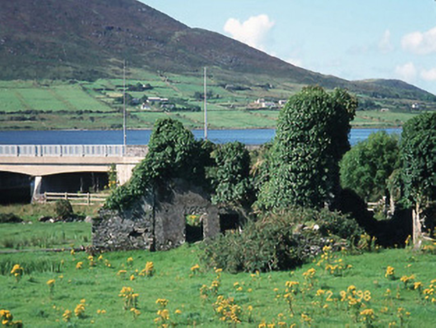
[(142, 137)]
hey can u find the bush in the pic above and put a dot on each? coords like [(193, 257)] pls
[(63, 208), (9, 218), (278, 242)]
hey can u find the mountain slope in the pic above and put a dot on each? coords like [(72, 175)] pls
[(90, 39), (86, 39)]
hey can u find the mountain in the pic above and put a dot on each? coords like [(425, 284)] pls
[(82, 38), (90, 39)]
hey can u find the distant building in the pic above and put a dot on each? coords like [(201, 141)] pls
[(145, 106), (154, 100), (416, 106), (262, 103)]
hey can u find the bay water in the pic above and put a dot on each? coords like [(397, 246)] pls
[(142, 137)]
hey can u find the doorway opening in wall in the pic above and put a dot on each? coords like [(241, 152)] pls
[(194, 228), (229, 221)]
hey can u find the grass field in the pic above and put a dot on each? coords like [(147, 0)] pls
[(36, 236), (32, 212), (42, 105), (310, 296)]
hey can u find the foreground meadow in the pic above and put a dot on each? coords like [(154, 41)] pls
[(388, 288)]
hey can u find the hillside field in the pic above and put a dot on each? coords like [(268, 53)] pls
[(45, 105)]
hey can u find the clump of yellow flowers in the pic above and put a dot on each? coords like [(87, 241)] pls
[(17, 271), (195, 269), (368, 317), (6, 318), (67, 316), (148, 271), (130, 298), (390, 273), (51, 284), (79, 311), (227, 310), (163, 315)]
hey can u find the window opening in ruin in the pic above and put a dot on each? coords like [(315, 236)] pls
[(194, 228)]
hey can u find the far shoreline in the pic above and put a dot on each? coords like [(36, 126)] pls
[(380, 127)]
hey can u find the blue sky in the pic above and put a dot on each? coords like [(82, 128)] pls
[(351, 39)]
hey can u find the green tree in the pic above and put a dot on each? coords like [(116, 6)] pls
[(231, 177), (172, 153), (311, 138), (418, 158), (367, 167)]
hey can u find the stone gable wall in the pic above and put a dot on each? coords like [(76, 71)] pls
[(157, 220)]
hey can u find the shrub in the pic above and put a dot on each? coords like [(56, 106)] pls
[(278, 242), (63, 208), (342, 226), (9, 218)]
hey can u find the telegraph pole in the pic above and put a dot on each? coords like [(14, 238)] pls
[(124, 108), (205, 104)]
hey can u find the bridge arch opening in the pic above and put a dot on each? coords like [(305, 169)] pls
[(74, 182), (15, 188), (22, 188)]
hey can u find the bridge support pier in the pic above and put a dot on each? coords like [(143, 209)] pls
[(36, 192)]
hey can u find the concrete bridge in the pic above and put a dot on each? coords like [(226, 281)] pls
[(43, 161)]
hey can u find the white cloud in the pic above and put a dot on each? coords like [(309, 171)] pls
[(255, 31), (406, 72), (421, 43), (385, 44), (428, 75)]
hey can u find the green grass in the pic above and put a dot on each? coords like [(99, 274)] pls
[(32, 212), (30, 299), (228, 111), (384, 119), (80, 100), (231, 119), (40, 99), (44, 235)]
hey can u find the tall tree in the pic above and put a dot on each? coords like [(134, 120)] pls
[(367, 167), (173, 153), (311, 138), (231, 177), (418, 156)]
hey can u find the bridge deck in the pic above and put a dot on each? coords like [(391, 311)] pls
[(41, 160)]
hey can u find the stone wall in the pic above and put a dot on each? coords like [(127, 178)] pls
[(157, 221)]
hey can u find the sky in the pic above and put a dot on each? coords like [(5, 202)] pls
[(350, 39)]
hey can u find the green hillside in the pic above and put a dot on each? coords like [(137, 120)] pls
[(32, 105), (62, 62)]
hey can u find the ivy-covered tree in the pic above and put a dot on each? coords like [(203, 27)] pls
[(311, 138), (367, 167), (418, 158), (173, 152), (231, 177)]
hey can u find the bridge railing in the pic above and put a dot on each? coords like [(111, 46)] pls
[(62, 150)]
